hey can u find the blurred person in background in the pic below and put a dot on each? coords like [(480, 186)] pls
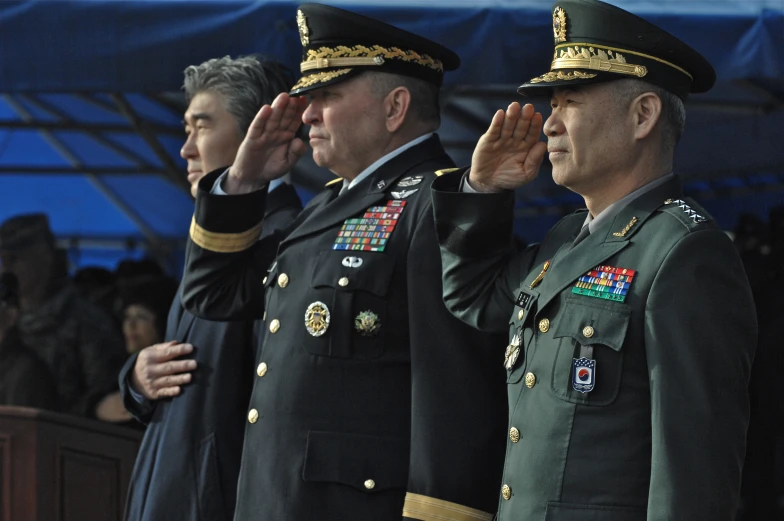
[(78, 342), (24, 378), (189, 460), (145, 307)]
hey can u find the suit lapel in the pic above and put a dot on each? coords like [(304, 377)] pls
[(368, 192), (570, 263)]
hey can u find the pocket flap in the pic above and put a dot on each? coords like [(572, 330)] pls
[(590, 322), (354, 271), (367, 463), (570, 512)]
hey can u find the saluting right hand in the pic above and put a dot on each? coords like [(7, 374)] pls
[(157, 374), (270, 147), (509, 154)]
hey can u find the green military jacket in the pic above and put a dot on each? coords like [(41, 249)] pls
[(622, 407)]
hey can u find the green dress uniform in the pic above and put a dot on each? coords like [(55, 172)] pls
[(661, 434), (371, 402), (630, 348)]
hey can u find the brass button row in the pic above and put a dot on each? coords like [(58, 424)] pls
[(261, 370), (506, 492), (514, 434), (530, 380), (253, 416), (274, 326)]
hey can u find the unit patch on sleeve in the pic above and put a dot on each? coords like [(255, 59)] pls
[(373, 230), (607, 282)]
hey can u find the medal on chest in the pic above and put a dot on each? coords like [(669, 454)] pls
[(372, 231)]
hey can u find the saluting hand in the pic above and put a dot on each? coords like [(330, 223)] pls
[(509, 154), (270, 147), (157, 375)]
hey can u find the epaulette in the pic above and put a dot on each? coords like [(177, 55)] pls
[(443, 171), (339, 179), (684, 212)]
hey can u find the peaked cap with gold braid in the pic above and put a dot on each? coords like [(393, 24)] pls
[(596, 42), (339, 44)]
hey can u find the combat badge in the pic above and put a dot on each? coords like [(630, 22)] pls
[(403, 193), (367, 323), (605, 282), (352, 262), (410, 181), (584, 374), (317, 318), (512, 352)]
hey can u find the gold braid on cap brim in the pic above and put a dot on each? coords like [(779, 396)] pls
[(376, 55), (319, 77), (596, 58)]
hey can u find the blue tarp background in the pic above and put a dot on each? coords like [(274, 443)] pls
[(58, 59)]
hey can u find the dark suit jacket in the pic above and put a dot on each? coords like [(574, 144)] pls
[(189, 459), (25, 380), (352, 423), (661, 435)]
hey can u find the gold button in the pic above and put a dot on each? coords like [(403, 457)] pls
[(274, 326), (530, 380), (520, 314), (514, 435), (253, 416), (370, 484), (588, 331), (343, 282), (506, 492), (283, 280), (544, 325), (264, 281), (261, 370)]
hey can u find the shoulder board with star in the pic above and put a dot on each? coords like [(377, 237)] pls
[(686, 210)]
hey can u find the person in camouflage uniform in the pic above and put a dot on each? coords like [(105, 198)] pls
[(78, 342)]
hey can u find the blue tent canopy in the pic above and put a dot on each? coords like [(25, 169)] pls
[(90, 119)]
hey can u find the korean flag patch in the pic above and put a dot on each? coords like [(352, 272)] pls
[(584, 374)]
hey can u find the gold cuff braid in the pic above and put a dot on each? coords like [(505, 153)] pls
[(224, 242), (427, 508)]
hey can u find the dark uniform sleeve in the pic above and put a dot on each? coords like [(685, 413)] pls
[(700, 337), (481, 267), (459, 405), (225, 261)]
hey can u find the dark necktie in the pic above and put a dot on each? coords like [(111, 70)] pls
[(584, 232)]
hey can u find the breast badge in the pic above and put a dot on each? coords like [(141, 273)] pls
[(403, 193), (352, 262), (583, 374), (317, 318), (367, 323), (372, 231), (605, 282), (512, 352), (410, 181)]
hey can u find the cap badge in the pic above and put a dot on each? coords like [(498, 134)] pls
[(302, 24), (367, 323), (317, 318), (559, 25)]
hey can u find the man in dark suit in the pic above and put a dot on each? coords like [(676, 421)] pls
[(189, 460), (631, 326), (371, 401)]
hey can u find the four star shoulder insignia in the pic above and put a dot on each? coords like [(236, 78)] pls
[(691, 214)]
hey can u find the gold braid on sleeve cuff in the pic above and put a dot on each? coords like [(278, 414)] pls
[(431, 509), (224, 242)]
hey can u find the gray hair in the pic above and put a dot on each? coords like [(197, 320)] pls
[(246, 83), (424, 95), (673, 115)]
